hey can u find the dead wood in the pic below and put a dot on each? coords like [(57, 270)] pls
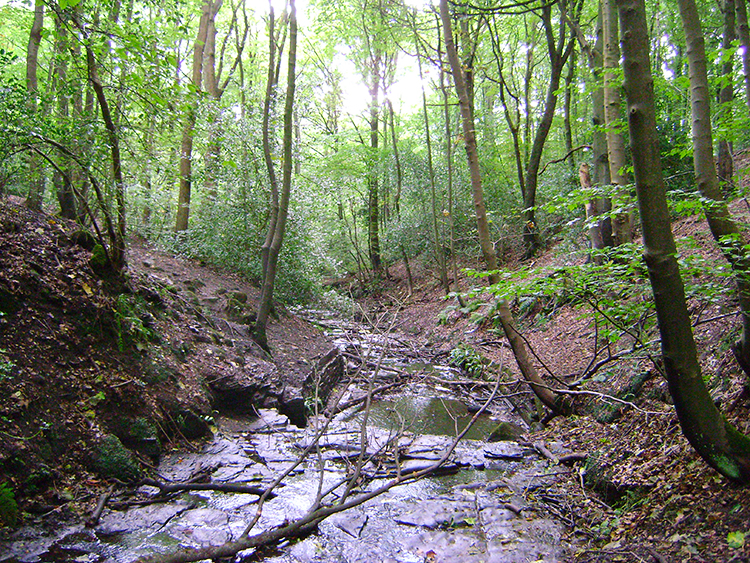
[(93, 520), (168, 488)]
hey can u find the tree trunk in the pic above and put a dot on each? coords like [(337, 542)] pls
[(269, 278), (268, 105), (36, 168), (470, 144), (62, 178), (724, 162), (600, 232), (723, 228), (438, 248), (549, 397), (622, 223), (567, 111), (117, 250), (559, 50), (720, 444), (373, 196), (188, 126), (744, 32)]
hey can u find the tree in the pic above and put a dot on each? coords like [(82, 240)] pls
[(723, 227), (718, 442), (36, 169), (622, 222), (555, 402), (208, 15), (277, 228)]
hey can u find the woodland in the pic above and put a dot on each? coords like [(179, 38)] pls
[(323, 150)]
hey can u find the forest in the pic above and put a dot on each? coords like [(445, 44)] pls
[(524, 159)]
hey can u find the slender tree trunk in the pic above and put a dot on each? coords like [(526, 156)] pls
[(622, 224), (36, 168), (744, 32), (268, 106), (724, 162), (214, 93), (600, 232), (449, 171), (559, 50), (117, 250), (723, 228), (556, 403), (438, 248), (470, 144), (373, 195), (568, 110), (720, 444), (188, 126), (269, 279), (62, 178), (397, 158)]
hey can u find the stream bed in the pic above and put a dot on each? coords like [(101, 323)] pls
[(489, 502)]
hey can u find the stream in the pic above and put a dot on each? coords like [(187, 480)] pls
[(489, 502)]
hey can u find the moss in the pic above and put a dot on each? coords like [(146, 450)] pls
[(113, 460), (98, 259)]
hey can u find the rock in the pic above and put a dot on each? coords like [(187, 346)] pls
[(504, 450), (506, 432), (242, 389), (191, 425), (324, 376)]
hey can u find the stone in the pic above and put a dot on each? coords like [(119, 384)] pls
[(506, 432)]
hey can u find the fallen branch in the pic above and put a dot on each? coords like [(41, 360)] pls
[(317, 513), (93, 520), (168, 488)]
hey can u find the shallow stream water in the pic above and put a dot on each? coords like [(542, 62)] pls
[(489, 502)]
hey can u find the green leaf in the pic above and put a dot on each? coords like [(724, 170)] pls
[(736, 540)]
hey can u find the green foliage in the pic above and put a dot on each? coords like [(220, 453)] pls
[(9, 513), (7, 366), (113, 460), (468, 359), (132, 321)]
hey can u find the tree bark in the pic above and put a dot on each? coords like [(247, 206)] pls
[(548, 397), (744, 32), (723, 227), (470, 144), (724, 162), (720, 444), (622, 223), (36, 168), (186, 146), (269, 278)]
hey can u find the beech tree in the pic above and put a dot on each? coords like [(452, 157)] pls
[(207, 21), (723, 227), (277, 228), (718, 442)]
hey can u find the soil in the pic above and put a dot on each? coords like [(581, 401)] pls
[(84, 357)]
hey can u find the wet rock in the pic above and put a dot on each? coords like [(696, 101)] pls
[(140, 518), (438, 514), (504, 450), (201, 527), (325, 375), (241, 390), (506, 432)]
